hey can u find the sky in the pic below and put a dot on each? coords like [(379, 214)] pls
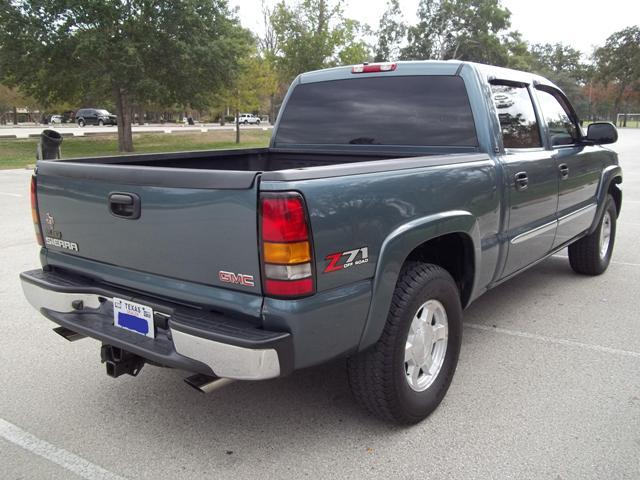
[(581, 24)]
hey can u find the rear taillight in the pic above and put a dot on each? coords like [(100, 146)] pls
[(287, 258), (35, 215)]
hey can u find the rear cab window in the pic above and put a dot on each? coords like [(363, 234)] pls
[(400, 110), (517, 116)]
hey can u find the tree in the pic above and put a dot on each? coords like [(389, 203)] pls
[(314, 34), (391, 32), (618, 62), (129, 51), (558, 58), (254, 82), (459, 29)]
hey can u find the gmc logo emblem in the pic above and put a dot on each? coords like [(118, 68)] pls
[(236, 278)]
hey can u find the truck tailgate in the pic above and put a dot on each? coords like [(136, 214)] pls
[(187, 229)]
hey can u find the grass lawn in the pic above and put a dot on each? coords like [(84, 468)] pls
[(22, 152)]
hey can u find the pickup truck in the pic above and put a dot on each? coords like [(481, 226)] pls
[(248, 118), (361, 235)]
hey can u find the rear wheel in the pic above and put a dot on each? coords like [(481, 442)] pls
[(406, 374), (257, 122), (591, 255), (81, 123)]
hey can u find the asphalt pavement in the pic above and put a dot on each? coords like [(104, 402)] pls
[(548, 387)]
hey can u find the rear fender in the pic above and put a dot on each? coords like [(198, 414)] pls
[(395, 250)]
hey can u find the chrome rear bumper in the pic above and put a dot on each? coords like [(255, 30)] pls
[(211, 345)]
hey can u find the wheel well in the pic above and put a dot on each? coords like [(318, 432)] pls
[(453, 252), (616, 193)]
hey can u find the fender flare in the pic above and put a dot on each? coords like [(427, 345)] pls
[(611, 174), (394, 251)]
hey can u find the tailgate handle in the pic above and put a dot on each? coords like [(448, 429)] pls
[(124, 205)]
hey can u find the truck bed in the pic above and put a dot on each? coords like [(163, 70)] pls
[(253, 160)]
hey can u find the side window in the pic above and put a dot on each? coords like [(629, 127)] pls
[(517, 116), (562, 129)]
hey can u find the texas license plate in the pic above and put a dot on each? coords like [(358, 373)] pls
[(133, 317)]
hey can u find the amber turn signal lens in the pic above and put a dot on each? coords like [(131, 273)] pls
[(287, 253)]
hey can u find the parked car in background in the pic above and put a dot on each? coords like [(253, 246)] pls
[(248, 118), (52, 119), (95, 116)]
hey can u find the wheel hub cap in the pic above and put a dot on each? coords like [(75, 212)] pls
[(426, 345), (605, 234)]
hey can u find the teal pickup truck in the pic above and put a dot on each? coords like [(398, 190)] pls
[(390, 197)]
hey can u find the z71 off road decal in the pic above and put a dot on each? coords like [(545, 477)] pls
[(341, 260)]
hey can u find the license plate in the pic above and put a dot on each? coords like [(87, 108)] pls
[(133, 317)]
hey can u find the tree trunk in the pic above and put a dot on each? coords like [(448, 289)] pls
[(272, 109), (15, 115), (123, 107), (237, 125)]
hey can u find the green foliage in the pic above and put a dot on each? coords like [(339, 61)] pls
[(129, 51), (459, 29), (254, 82), (391, 32), (314, 34), (558, 59), (618, 62)]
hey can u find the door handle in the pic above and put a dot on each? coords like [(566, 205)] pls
[(124, 205), (522, 181), (564, 171)]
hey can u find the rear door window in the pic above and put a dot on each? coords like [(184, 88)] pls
[(397, 110), (517, 117)]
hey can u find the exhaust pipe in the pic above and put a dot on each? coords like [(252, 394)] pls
[(68, 334), (206, 383)]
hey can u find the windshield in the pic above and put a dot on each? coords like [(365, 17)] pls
[(398, 110), (103, 112)]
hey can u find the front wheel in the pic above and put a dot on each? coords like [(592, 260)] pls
[(591, 255), (405, 375), (100, 123)]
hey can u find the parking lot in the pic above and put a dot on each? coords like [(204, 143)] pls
[(548, 387)]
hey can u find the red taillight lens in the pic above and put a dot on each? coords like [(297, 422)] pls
[(35, 215), (292, 288), (283, 219), (287, 263)]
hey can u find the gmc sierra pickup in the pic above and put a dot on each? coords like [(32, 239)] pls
[(390, 197)]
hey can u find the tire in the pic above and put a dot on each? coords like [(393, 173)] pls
[(81, 123), (246, 122), (591, 255), (100, 123), (257, 122), (381, 377)]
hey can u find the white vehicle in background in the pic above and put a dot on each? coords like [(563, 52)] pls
[(248, 118)]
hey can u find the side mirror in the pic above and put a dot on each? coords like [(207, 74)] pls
[(601, 133)]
